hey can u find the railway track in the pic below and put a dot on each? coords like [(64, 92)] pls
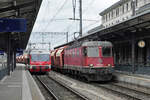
[(47, 93), (123, 91), (58, 90)]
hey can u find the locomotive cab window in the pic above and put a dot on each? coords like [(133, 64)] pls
[(107, 51), (93, 52), (84, 51), (40, 57)]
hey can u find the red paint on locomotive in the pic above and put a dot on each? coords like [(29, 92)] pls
[(39, 61), (90, 59)]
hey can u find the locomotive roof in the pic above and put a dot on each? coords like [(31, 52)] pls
[(90, 43), (40, 52), (97, 43)]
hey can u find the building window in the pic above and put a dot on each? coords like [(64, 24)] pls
[(103, 18), (114, 11), (109, 15), (123, 9), (117, 11), (136, 3), (127, 7), (112, 14)]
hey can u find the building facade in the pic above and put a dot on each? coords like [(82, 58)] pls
[(123, 10)]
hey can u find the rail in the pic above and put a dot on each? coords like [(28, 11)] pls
[(47, 88), (59, 90)]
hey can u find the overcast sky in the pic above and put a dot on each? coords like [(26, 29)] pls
[(54, 17)]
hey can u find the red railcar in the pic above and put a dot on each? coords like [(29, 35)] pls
[(39, 61), (53, 57), (60, 57), (91, 60), (16, 59)]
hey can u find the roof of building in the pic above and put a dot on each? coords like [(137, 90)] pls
[(113, 7), (97, 43)]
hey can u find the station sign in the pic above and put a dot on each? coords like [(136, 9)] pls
[(18, 54), (19, 51), (13, 25), (1, 52)]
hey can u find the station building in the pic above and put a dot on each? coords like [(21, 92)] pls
[(127, 26), (123, 10)]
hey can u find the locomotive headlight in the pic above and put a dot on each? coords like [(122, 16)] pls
[(30, 67), (109, 65), (91, 65)]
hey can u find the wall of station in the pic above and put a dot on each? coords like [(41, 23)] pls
[(123, 56), (123, 53), (121, 12)]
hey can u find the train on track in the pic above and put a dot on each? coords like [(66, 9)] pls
[(39, 61), (92, 61)]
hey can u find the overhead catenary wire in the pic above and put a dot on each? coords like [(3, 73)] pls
[(88, 6), (74, 8), (44, 13), (62, 38), (58, 11), (94, 23), (72, 27)]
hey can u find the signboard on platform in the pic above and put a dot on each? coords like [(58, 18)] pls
[(19, 51), (1, 52), (13, 25)]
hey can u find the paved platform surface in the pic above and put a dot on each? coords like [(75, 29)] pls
[(137, 79), (19, 86)]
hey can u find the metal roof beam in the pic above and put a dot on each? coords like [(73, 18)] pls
[(17, 7)]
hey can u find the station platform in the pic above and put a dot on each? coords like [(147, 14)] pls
[(19, 86), (136, 79)]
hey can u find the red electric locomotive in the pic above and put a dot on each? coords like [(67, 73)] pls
[(39, 61), (91, 60)]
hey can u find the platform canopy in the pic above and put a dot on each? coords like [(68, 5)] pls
[(18, 9)]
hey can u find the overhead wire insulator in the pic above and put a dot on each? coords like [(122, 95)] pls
[(74, 8)]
